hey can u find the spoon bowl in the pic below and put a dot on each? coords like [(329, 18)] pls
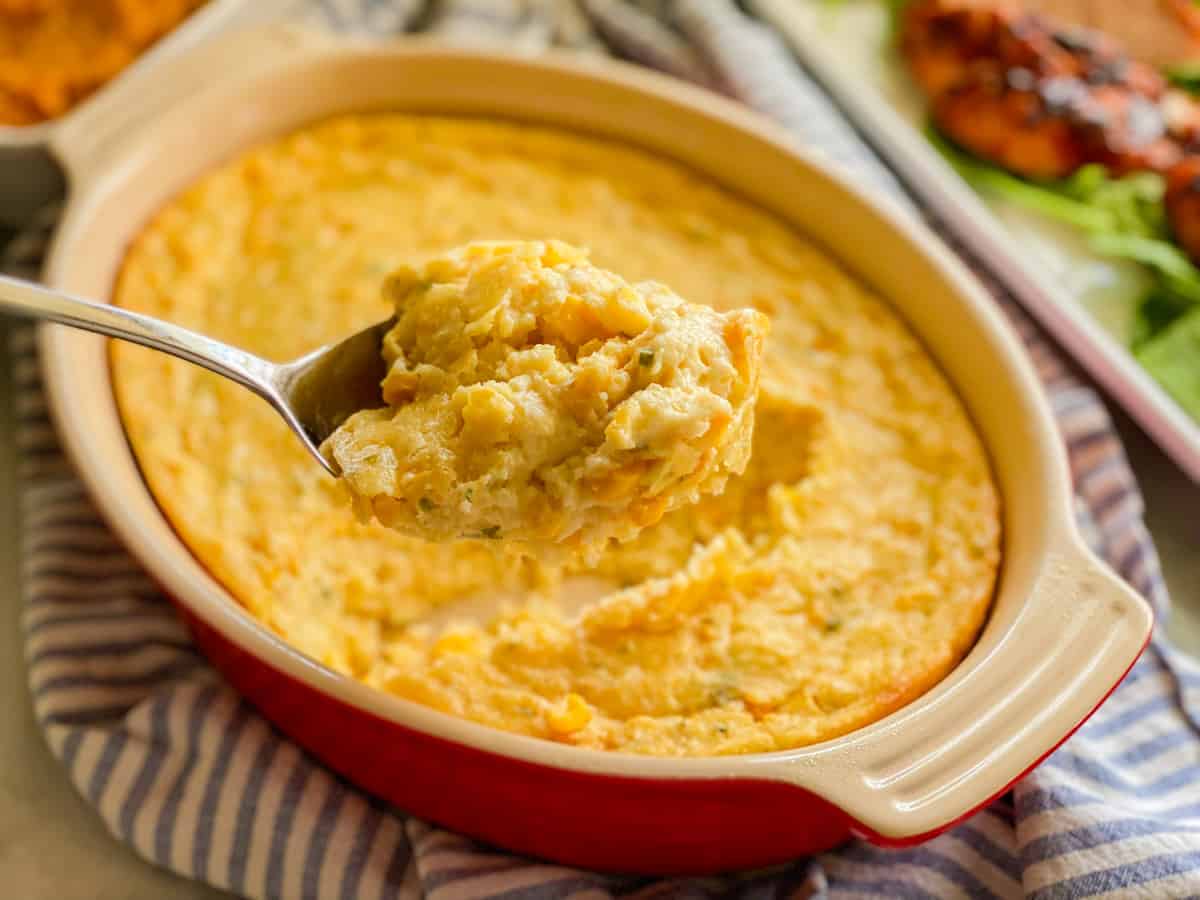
[(322, 389), (314, 394)]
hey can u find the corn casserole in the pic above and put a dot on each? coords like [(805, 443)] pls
[(843, 573)]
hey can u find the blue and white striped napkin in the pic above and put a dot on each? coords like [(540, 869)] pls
[(194, 780)]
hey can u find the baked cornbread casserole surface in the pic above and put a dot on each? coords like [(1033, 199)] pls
[(843, 574), (533, 397)]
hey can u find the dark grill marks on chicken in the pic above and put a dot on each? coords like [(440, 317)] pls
[(1099, 60), (1041, 100), (943, 41), (1127, 132), (1015, 120)]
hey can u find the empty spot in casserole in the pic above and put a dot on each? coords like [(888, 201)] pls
[(843, 573)]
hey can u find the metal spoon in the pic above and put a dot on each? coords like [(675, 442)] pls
[(314, 393)]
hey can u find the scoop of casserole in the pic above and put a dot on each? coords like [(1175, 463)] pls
[(532, 396)]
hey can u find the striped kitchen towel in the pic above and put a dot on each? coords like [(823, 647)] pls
[(194, 780)]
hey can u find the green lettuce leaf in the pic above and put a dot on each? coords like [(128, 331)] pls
[(1173, 358), (1048, 199), (1123, 218), (1157, 310)]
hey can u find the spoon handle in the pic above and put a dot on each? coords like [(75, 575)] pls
[(24, 298)]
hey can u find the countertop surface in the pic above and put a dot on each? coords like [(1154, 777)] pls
[(53, 847)]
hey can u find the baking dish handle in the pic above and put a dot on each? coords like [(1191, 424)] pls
[(86, 141), (1005, 709)]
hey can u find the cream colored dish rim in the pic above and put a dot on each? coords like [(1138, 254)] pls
[(1064, 628)]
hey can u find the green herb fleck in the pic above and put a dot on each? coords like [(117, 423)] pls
[(469, 493), (725, 690), (426, 504), (491, 532), (646, 358), (832, 625)]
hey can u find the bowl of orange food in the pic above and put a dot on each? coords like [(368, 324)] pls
[(65, 61), (875, 629)]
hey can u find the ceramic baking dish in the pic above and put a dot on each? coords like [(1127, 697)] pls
[(29, 174), (1063, 632)]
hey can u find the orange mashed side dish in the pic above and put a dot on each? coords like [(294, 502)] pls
[(54, 53)]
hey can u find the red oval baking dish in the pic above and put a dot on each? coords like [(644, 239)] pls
[(1062, 633)]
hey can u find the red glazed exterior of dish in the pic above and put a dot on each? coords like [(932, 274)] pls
[(608, 823), (603, 822)]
